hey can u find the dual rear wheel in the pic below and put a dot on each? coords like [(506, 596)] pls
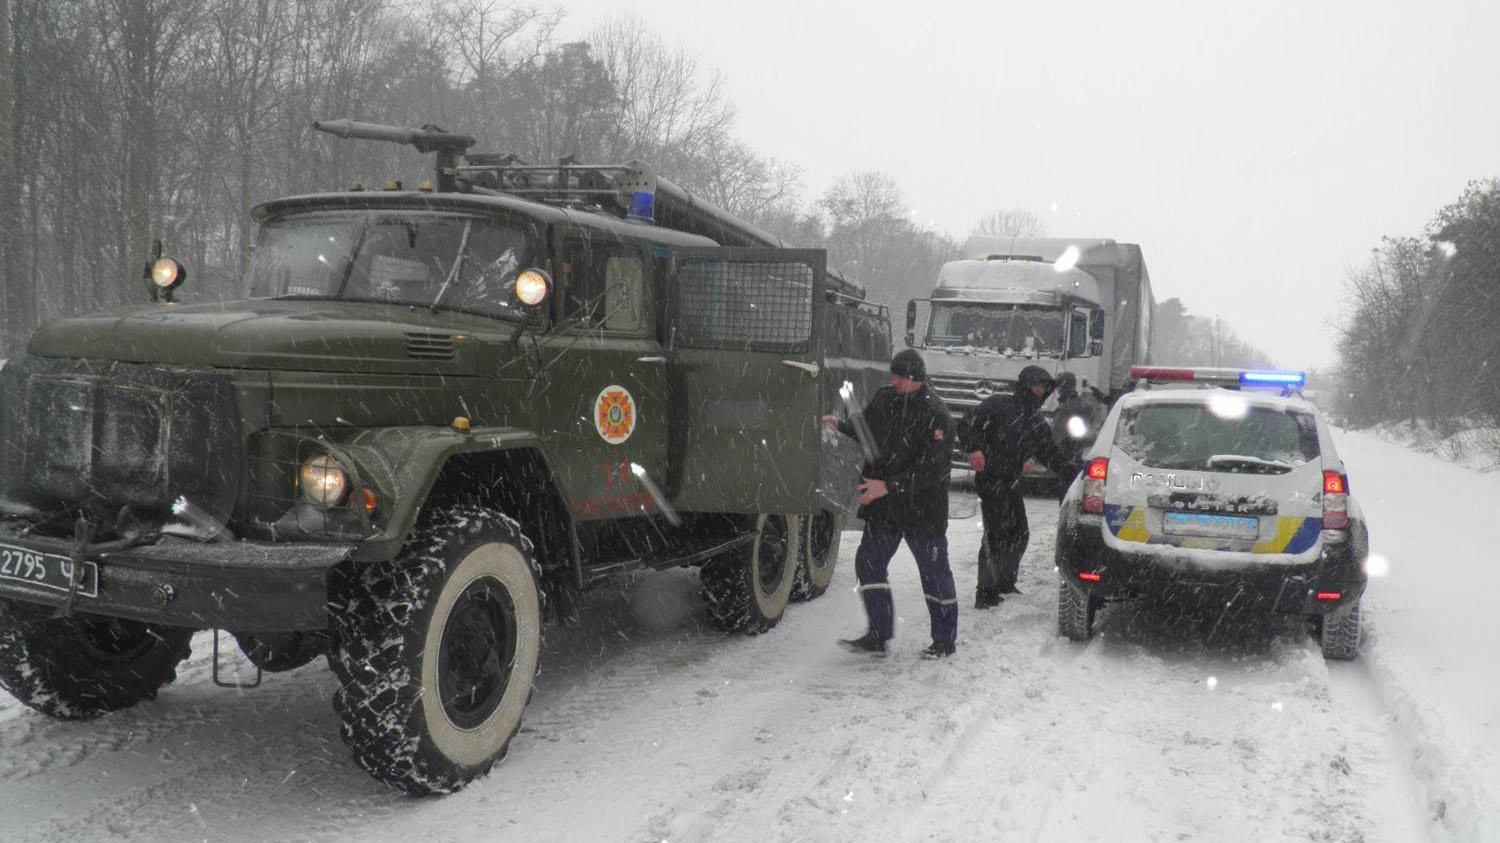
[(792, 557)]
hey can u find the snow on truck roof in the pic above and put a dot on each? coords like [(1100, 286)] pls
[(1047, 249), (989, 279)]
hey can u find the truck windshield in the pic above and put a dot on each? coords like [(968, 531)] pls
[(445, 260), (1191, 436), (1005, 329)]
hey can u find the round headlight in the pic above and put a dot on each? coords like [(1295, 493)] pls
[(323, 481), (532, 286), (167, 274)]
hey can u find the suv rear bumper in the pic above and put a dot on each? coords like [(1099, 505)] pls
[(239, 586), (1279, 587)]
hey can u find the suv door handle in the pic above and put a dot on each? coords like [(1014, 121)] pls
[(810, 368), (651, 358)]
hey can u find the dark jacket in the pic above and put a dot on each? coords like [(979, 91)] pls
[(1010, 430), (913, 434)]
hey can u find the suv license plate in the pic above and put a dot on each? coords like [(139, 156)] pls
[(1212, 526), (47, 570)]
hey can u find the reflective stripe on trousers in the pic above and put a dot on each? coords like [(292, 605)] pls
[(872, 562)]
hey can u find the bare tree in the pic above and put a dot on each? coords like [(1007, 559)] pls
[(17, 295), (671, 111), (1012, 222)]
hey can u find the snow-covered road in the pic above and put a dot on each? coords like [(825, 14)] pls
[(649, 726)]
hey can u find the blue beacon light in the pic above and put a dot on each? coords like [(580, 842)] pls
[(642, 207), (1292, 379)]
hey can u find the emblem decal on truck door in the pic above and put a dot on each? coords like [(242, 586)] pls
[(614, 414)]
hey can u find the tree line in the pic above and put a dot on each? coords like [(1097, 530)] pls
[(125, 121), (1420, 329), (1181, 338), (122, 121)]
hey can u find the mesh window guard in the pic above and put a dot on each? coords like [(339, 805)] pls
[(764, 305)]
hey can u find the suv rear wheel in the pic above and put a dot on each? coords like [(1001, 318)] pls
[(1339, 636), (748, 589), (437, 650), (79, 667), (1075, 612)]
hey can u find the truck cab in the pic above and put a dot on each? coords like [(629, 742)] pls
[(1068, 305)]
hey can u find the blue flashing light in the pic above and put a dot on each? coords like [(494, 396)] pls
[(1289, 379), (642, 207)]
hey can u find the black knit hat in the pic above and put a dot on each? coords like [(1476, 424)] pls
[(908, 364)]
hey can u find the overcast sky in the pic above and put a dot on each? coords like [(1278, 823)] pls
[(1255, 150)]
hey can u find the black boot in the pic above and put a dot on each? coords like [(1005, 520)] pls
[(938, 650), (987, 598), (867, 643)]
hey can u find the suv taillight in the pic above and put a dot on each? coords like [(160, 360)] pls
[(1093, 485), (1335, 501)]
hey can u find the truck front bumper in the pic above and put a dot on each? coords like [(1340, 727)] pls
[(238, 585)]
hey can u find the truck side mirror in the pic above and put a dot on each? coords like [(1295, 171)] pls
[(1096, 347)]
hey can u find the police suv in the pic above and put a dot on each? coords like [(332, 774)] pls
[(1226, 494)]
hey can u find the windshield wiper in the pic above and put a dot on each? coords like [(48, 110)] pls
[(1242, 461), (458, 262), (348, 272)]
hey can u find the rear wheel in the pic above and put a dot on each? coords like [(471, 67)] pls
[(819, 548), (437, 650), (1075, 612), (80, 667), (748, 589), (1339, 635)]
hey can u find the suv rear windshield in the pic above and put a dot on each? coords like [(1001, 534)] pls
[(1194, 436), (416, 258)]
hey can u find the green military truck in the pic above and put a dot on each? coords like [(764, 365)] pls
[(435, 418)]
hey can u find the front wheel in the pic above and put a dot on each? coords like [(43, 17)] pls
[(1075, 612), (748, 589), (82, 666), (437, 650), (818, 542)]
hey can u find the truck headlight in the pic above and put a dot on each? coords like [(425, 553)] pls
[(323, 481)]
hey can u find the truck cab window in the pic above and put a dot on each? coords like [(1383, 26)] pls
[(1078, 334), (624, 293), (604, 286)]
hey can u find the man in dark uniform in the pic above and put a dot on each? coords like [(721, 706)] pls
[(904, 495), (1074, 425), (999, 436)]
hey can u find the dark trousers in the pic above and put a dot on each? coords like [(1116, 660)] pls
[(1006, 535), (873, 559)]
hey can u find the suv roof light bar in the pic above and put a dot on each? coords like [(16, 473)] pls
[(1228, 378)]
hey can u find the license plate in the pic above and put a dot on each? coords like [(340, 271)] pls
[(47, 570), (1212, 526)]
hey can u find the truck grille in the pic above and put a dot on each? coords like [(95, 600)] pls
[(961, 392), (101, 436)]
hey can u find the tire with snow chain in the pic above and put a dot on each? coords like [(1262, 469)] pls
[(437, 651), (747, 589), (818, 545), (80, 667), (1340, 638), (1075, 612)]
